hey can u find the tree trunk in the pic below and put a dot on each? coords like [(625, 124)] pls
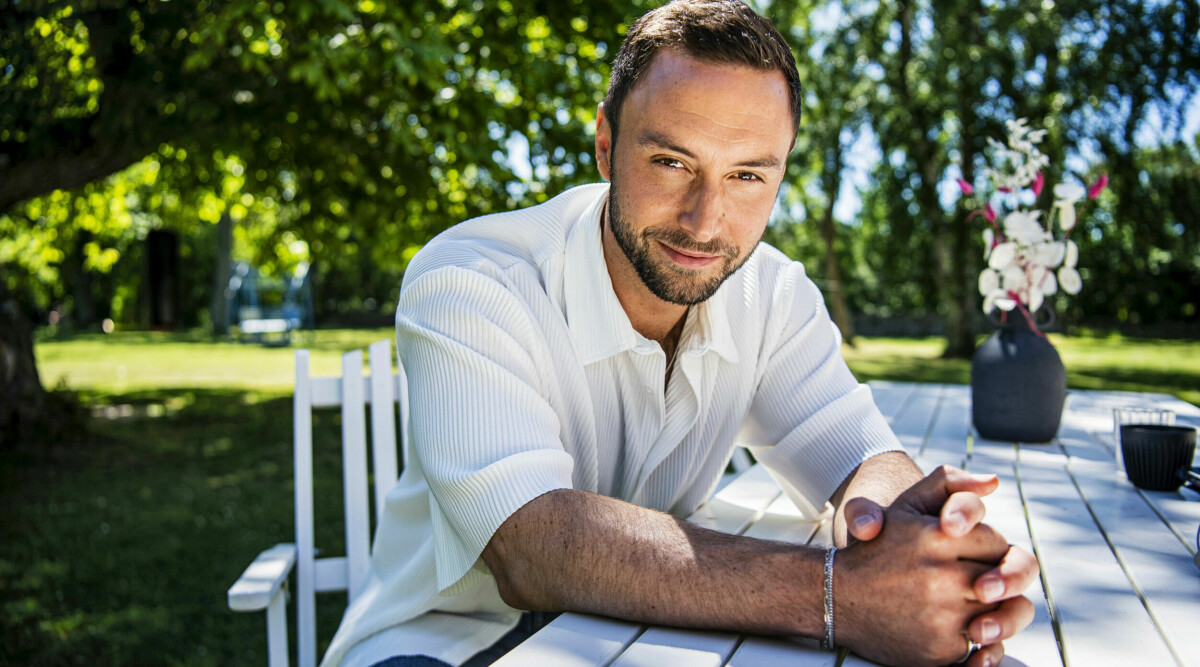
[(960, 335), (837, 296), (22, 398), (220, 314), (83, 310)]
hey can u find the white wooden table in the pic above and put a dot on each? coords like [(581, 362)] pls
[(1118, 585)]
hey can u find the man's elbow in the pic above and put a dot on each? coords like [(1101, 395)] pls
[(518, 559), (508, 580)]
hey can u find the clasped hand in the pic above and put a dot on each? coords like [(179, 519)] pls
[(923, 571)]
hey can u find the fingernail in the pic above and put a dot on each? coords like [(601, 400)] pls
[(993, 588), (991, 630), (862, 521), (956, 523)]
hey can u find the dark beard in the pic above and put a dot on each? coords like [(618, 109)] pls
[(664, 279)]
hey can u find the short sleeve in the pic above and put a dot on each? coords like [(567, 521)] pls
[(486, 438), (810, 422)]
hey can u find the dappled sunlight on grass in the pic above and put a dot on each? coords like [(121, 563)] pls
[(131, 361), (1110, 363), (119, 551)]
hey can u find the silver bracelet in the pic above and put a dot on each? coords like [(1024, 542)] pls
[(827, 642)]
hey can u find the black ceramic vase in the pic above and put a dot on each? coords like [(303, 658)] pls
[(1018, 384)]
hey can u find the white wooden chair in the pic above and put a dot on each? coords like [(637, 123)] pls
[(263, 584)]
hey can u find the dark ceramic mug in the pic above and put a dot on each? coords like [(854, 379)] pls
[(1157, 457)]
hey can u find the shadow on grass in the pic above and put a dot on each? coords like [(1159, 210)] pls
[(119, 550), (1110, 377), (912, 369), (317, 340)]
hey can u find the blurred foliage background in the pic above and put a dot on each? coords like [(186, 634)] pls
[(347, 134)]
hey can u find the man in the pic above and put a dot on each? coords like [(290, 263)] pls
[(580, 371)]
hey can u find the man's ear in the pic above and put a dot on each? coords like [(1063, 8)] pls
[(603, 144)]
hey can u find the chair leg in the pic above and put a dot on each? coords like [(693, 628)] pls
[(277, 640)]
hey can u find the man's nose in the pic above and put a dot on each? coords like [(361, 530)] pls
[(701, 215)]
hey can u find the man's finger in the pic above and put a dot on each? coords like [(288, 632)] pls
[(988, 656), (930, 494), (984, 546), (1011, 617), (1015, 573), (961, 513), (864, 519)]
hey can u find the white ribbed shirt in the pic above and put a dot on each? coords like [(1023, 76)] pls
[(526, 376)]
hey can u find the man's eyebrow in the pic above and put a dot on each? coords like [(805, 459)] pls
[(653, 140)]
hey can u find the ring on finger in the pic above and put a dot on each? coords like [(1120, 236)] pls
[(972, 646)]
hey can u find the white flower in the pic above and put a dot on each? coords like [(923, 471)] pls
[(1056, 253), (1035, 300), (1066, 215), (989, 281), (1049, 284), (1072, 255), (1026, 264), (1016, 128), (1023, 228), (1013, 278), (1037, 273), (998, 299), (1042, 253), (1002, 255), (1069, 279), (1069, 193)]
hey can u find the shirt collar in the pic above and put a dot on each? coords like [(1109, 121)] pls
[(595, 318)]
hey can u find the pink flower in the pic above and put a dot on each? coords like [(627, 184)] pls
[(1098, 187), (1005, 190), (989, 213), (966, 187), (1037, 185)]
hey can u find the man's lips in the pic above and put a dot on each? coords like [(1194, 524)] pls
[(688, 259)]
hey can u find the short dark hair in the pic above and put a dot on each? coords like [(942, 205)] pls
[(718, 31)]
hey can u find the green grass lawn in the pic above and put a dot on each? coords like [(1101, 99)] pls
[(119, 550)]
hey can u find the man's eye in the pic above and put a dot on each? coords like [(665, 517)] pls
[(748, 176), (669, 162)]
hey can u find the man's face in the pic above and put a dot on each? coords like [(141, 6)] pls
[(702, 154)]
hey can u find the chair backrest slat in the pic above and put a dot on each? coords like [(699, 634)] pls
[(383, 421), (326, 392), (331, 575), (352, 393), (306, 617), (401, 379), (354, 471)]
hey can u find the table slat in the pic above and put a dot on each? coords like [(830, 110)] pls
[(573, 640), (783, 522), (890, 396), (764, 652), (1102, 621), (658, 647), (952, 424), (740, 503), (1181, 509), (912, 423), (1153, 556), (1036, 645)]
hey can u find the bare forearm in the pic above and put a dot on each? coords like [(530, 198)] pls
[(880, 479), (576, 551)]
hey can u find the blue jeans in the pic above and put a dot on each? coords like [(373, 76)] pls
[(531, 622)]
